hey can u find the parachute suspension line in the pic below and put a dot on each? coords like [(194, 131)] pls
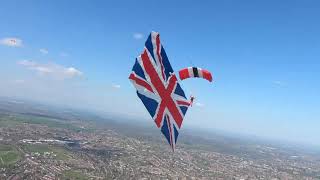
[(194, 72)]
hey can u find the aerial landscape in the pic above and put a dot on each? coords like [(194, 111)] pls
[(43, 142), (159, 90)]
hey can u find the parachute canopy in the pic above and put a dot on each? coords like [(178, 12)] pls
[(195, 72)]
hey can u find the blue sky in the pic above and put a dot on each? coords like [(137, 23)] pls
[(265, 57)]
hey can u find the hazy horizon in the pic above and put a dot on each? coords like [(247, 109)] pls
[(203, 132)]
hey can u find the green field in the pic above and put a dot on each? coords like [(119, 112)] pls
[(61, 153), (16, 119), (73, 175), (8, 155), (8, 121)]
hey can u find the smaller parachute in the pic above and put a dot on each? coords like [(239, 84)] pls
[(195, 72)]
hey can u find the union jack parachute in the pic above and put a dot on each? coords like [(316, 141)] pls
[(158, 88)]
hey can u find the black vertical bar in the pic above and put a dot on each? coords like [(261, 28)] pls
[(195, 72)]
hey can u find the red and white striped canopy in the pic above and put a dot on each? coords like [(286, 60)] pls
[(195, 72)]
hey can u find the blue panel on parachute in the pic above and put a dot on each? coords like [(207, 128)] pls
[(165, 130), (149, 46), (184, 109), (138, 70), (149, 103), (179, 91), (166, 63)]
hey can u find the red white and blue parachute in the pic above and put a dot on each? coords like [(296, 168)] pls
[(159, 90)]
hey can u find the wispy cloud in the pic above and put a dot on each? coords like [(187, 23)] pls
[(11, 41), (137, 36), (44, 51), (19, 81), (279, 83), (199, 104), (64, 54), (116, 86), (51, 69)]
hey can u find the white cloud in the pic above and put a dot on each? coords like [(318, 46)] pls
[(64, 54), (71, 71), (44, 51), (199, 104), (137, 36), (19, 81), (11, 41), (279, 83), (116, 86), (52, 69)]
